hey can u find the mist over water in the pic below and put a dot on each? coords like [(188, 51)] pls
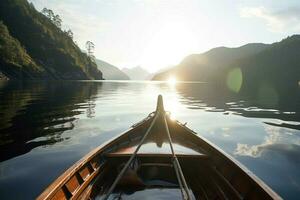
[(47, 126)]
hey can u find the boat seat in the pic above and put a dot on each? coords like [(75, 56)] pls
[(128, 151), (179, 155)]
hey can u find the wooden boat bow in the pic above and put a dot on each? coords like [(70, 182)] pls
[(158, 153)]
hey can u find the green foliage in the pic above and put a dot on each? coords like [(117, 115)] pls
[(69, 33), (48, 46), (55, 19), (13, 57)]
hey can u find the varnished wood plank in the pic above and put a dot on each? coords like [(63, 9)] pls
[(72, 184), (84, 172), (87, 182), (59, 195)]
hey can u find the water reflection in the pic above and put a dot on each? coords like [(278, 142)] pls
[(266, 139), (53, 124), (32, 110), (213, 98), (277, 140)]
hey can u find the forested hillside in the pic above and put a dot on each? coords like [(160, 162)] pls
[(254, 69), (33, 46), (206, 66)]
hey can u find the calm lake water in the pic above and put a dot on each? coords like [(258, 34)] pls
[(47, 126)]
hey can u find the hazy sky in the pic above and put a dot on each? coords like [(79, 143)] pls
[(159, 33)]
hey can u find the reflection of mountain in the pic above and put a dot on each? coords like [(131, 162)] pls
[(110, 72), (212, 98), (43, 111), (137, 73), (285, 125)]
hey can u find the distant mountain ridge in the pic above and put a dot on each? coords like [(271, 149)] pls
[(276, 69), (201, 67), (267, 72), (137, 73), (111, 72), (33, 47)]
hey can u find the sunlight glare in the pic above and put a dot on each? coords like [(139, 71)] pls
[(172, 117), (172, 105), (172, 80), (170, 43)]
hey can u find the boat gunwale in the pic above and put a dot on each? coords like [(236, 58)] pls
[(60, 181), (235, 162)]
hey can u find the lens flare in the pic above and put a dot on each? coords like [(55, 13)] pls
[(235, 80)]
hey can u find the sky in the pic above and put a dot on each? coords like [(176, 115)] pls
[(156, 34)]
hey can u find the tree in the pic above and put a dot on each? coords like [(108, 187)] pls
[(48, 13), (45, 11), (70, 33), (57, 21), (90, 47)]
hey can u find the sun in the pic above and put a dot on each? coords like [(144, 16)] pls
[(172, 80), (169, 44)]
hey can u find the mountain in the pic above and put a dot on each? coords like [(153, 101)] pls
[(32, 46), (202, 67), (269, 73), (110, 72), (13, 55), (274, 71), (137, 73)]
